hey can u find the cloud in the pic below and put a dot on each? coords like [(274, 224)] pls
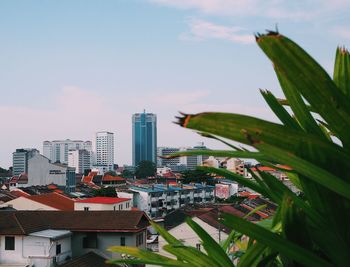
[(274, 9), (202, 30)]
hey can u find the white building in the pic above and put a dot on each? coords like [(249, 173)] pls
[(104, 149), (159, 199), (103, 203), (57, 150), (48, 238), (80, 159)]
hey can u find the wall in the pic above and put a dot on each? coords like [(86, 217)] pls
[(104, 241), (41, 172), (97, 206)]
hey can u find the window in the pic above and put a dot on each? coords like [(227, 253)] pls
[(139, 239), (90, 240), (58, 249), (198, 246), (9, 243), (86, 208), (122, 241)]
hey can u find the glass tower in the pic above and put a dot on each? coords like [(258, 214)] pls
[(144, 137)]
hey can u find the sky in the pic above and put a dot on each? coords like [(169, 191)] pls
[(70, 68)]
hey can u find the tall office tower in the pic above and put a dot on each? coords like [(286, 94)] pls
[(20, 160), (166, 151), (57, 151), (104, 145), (193, 161), (80, 159), (144, 137)]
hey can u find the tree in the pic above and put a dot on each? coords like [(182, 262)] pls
[(312, 138), (127, 174), (197, 176), (145, 169), (105, 192)]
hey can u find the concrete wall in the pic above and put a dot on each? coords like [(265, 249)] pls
[(38, 251), (98, 206), (42, 172), (104, 241)]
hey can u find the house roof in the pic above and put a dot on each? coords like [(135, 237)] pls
[(54, 200), (110, 178), (90, 259), (26, 222), (103, 200)]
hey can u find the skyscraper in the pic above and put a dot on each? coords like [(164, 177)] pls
[(20, 160), (144, 137), (104, 145)]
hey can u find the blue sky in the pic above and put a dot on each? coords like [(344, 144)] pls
[(71, 68)]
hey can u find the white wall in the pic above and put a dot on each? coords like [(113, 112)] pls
[(97, 206), (104, 241), (31, 250), (41, 172)]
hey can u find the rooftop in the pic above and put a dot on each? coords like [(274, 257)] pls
[(54, 200), (90, 259), (27, 222), (103, 200)]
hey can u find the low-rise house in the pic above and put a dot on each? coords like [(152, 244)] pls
[(110, 180), (48, 238), (157, 200), (103, 203), (49, 201)]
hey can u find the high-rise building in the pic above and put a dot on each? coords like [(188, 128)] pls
[(57, 151), (20, 160), (144, 137), (166, 151), (193, 161), (80, 159), (104, 153)]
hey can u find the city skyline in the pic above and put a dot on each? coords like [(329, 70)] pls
[(72, 68)]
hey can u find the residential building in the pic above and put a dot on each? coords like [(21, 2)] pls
[(80, 159), (103, 203), (49, 201), (208, 218), (20, 160), (144, 137), (104, 150), (237, 166), (191, 162), (159, 199), (57, 150), (50, 238), (225, 188), (42, 172)]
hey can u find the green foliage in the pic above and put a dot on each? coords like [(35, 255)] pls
[(112, 173), (105, 192), (197, 176), (127, 174), (145, 169), (313, 138)]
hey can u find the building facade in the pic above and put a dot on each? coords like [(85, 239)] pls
[(104, 150), (79, 159), (166, 151), (58, 150), (144, 137), (158, 200), (20, 160)]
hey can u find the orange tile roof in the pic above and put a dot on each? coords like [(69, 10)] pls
[(54, 200), (19, 193), (108, 177), (103, 200)]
